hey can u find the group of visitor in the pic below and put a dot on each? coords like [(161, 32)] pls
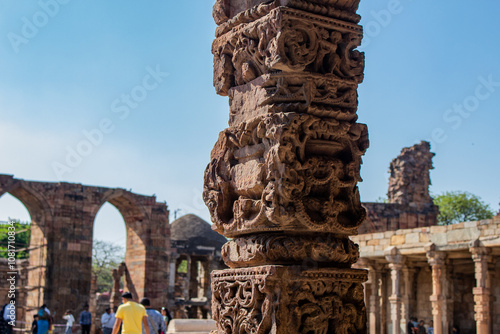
[(133, 317), (129, 317), (419, 327)]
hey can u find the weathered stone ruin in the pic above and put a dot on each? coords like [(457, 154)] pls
[(282, 178), (409, 203), (416, 268), (199, 247), (60, 253), (410, 180)]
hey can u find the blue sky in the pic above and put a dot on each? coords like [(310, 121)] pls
[(432, 73)]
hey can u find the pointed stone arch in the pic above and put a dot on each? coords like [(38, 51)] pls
[(40, 212)]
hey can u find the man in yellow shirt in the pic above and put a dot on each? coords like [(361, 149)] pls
[(132, 315)]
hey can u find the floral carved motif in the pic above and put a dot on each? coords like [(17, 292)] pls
[(282, 300), (286, 172), (287, 41)]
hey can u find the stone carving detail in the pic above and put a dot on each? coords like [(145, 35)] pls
[(304, 251), (257, 300), (288, 40), (282, 180), (228, 14), (286, 172), (409, 180)]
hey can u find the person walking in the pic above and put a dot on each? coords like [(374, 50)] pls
[(34, 324), (155, 319), (107, 321), (85, 320), (166, 316), (132, 315), (70, 320), (43, 320)]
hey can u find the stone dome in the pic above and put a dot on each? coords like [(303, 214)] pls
[(195, 231)]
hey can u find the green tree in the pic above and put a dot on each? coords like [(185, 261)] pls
[(21, 241), (456, 207), (106, 256)]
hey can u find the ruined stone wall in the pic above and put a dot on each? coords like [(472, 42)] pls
[(409, 179), (382, 217), (409, 203), (61, 241)]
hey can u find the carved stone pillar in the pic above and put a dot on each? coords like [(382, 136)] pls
[(282, 178), (396, 262), (437, 262), (482, 291), (172, 272), (408, 293), (384, 299), (374, 315), (187, 283)]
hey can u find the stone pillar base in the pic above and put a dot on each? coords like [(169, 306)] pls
[(281, 299)]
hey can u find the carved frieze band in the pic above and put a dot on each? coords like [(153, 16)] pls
[(274, 299), (229, 14), (304, 251), (286, 172), (287, 40)]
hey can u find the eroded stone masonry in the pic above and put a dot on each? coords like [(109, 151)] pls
[(409, 204), (60, 253), (282, 178)]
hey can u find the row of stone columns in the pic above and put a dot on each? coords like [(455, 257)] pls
[(403, 296)]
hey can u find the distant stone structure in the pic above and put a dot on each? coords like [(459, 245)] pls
[(282, 181), (195, 243), (60, 253), (416, 268), (410, 180), (409, 203), (448, 274)]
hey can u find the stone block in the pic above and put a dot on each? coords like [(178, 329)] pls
[(463, 235), (378, 235), (372, 243), (412, 238), (424, 238), (397, 240), (385, 242), (488, 232), (439, 238), (439, 229), (368, 249), (471, 224)]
